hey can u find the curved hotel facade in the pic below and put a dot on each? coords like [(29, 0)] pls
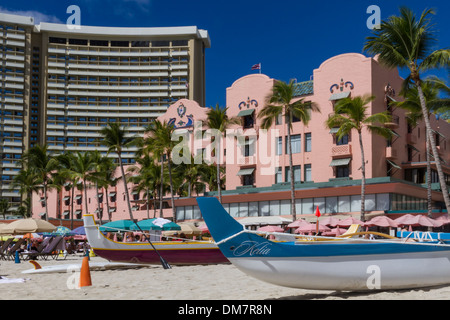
[(61, 85)]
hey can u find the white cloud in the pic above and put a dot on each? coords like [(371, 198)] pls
[(38, 16)]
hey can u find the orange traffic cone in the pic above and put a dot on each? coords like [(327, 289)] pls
[(85, 273)]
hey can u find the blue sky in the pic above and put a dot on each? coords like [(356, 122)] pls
[(290, 38)]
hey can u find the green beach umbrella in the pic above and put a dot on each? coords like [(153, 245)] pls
[(156, 224), (114, 226)]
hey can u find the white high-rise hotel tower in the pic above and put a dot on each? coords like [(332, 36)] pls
[(61, 85)]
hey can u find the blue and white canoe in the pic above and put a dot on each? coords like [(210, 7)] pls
[(348, 265)]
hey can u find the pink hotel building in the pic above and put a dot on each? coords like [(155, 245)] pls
[(327, 171)]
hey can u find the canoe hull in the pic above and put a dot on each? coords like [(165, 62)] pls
[(174, 252), (347, 265), (350, 273)]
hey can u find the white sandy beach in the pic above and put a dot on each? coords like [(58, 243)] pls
[(216, 282)]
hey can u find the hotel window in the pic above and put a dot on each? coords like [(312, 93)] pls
[(297, 174), (342, 171), (279, 146), (308, 142), (343, 141), (295, 144), (278, 175), (249, 147), (279, 119), (308, 172)]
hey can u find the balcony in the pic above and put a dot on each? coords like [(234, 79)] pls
[(341, 151), (391, 153)]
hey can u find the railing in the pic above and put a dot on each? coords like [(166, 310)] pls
[(343, 150)]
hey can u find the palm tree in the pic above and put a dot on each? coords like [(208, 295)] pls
[(44, 165), (351, 114), (406, 42), (4, 206), (161, 144), (145, 178), (115, 138), (28, 182), (218, 119), (106, 179), (431, 90), (282, 102), (83, 165)]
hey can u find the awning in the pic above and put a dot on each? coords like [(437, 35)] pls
[(334, 130), (78, 212), (66, 213), (340, 162), (66, 198), (78, 197), (438, 133), (245, 172), (245, 113), (393, 164), (112, 194), (340, 95), (112, 209)]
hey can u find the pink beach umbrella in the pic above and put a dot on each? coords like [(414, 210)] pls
[(298, 223), (311, 228), (418, 220), (444, 219), (329, 221), (349, 221), (203, 227), (381, 221), (270, 229)]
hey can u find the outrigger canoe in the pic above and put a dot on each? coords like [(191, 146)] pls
[(352, 264), (174, 252)]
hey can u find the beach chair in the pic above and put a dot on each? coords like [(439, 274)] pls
[(10, 253), (32, 255), (354, 228), (51, 249), (4, 247)]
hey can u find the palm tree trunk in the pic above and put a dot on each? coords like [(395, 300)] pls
[(99, 214), (148, 204), (171, 188), (427, 147), (107, 203), (161, 188), (363, 179), (127, 195), (291, 171), (71, 206), (45, 200), (219, 190), (85, 196), (444, 187)]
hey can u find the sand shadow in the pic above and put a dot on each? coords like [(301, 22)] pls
[(351, 294)]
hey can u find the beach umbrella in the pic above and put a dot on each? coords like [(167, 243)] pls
[(62, 231), (381, 221), (312, 228), (329, 221), (444, 219), (189, 229), (418, 220), (23, 226), (298, 223), (203, 227), (270, 229), (79, 231), (348, 222), (148, 225), (118, 225)]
